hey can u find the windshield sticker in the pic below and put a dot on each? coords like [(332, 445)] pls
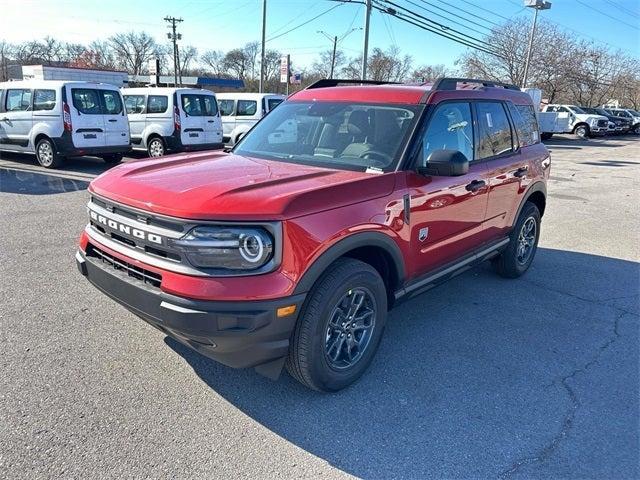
[(373, 170), (489, 120)]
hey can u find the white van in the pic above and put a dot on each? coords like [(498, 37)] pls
[(59, 119), (173, 119), (241, 111)]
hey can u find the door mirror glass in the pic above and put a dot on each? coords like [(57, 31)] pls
[(445, 163)]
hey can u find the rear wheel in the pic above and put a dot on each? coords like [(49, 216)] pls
[(112, 158), (156, 147), (46, 154), (582, 131), (340, 328), (517, 257)]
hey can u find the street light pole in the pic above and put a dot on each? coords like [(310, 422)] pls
[(264, 27), (365, 46), (536, 5)]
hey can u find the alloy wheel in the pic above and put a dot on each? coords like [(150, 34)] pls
[(350, 328), (45, 154), (156, 148), (526, 240)]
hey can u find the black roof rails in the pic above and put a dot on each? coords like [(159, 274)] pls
[(334, 82), (451, 83)]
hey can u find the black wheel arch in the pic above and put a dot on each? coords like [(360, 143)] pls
[(377, 249), (537, 194)]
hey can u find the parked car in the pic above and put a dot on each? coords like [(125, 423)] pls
[(548, 122), (241, 111), (581, 123), (616, 124), (292, 252), (173, 119), (629, 114), (59, 119)]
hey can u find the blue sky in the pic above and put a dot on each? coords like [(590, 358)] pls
[(225, 24)]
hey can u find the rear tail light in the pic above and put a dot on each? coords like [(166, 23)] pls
[(176, 118), (66, 117)]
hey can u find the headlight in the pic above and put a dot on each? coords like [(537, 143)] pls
[(229, 248)]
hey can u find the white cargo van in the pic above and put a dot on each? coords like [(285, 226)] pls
[(173, 119), (241, 111), (59, 119)]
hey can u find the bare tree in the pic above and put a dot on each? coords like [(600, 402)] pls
[(429, 73), (133, 51), (214, 60), (235, 62), (322, 65)]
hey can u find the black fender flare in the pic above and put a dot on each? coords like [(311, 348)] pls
[(538, 186), (338, 249)]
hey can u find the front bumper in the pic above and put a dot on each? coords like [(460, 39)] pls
[(237, 334)]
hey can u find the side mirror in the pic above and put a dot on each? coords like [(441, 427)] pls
[(445, 163)]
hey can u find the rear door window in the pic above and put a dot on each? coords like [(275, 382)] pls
[(198, 105), (493, 129), (134, 103), (157, 104), (111, 102), (86, 101), (247, 108), (226, 107), (44, 100), (18, 100)]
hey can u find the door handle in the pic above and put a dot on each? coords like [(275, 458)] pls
[(521, 172), (113, 120), (475, 185), (210, 121)]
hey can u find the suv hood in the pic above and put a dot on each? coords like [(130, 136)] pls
[(221, 186)]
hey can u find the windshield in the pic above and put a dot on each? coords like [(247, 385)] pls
[(634, 113), (339, 135), (589, 110), (575, 109), (601, 111)]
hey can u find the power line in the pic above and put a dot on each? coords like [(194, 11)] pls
[(423, 25), (305, 23), (635, 27), (486, 10), (444, 31), (623, 9), (469, 13), (455, 15)]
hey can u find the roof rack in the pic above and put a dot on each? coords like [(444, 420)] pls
[(334, 82), (451, 83)]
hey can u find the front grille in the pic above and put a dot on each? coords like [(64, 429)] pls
[(147, 218), (603, 123), (145, 276)]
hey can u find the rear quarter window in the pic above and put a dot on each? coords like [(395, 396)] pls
[(226, 107), (247, 108), (44, 100), (157, 104), (526, 123), (273, 103)]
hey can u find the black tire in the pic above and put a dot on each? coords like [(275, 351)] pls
[(156, 147), (510, 263), (582, 131), (546, 135), (112, 158), (308, 360), (46, 154)]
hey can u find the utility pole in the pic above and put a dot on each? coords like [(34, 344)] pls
[(536, 5), (264, 28), (175, 37), (335, 41), (365, 46)]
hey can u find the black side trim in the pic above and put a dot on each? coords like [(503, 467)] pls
[(366, 239), (406, 207), (14, 141), (450, 270), (89, 130)]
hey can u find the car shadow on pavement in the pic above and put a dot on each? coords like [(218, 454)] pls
[(36, 183), (475, 378), (75, 165)]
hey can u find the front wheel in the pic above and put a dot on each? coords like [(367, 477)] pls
[(340, 327), (46, 154), (517, 257)]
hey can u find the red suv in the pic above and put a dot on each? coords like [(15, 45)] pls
[(346, 199)]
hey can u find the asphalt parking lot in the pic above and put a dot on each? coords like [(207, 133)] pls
[(480, 378)]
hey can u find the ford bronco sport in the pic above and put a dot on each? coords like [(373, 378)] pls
[(343, 201)]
